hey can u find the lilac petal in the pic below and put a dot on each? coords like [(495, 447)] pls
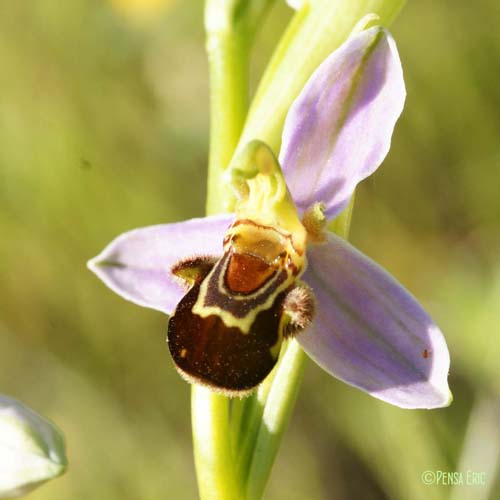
[(371, 333), (339, 128), (137, 264)]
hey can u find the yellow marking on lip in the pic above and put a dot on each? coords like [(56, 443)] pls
[(275, 247), (276, 348), (243, 323)]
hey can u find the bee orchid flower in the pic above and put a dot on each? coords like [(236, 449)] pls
[(236, 284)]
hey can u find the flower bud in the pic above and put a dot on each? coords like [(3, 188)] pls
[(31, 449)]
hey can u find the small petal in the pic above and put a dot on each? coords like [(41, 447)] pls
[(31, 449), (339, 129), (137, 264), (371, 333)]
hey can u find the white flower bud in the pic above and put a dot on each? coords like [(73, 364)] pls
[(31, 449)]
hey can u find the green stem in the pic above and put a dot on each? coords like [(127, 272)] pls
[(227, 50), (217, 479), (228, 63), (230, 27)]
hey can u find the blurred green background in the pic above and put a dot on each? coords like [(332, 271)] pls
[(104, 128)]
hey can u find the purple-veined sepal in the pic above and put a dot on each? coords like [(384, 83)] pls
[(370, 332), (339, 128), (137, 264)]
